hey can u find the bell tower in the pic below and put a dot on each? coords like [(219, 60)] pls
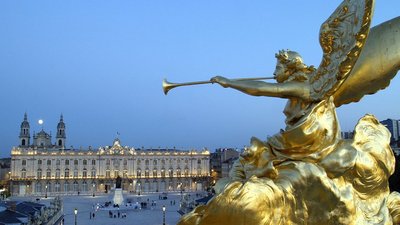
[(24, 134), (61, 137)]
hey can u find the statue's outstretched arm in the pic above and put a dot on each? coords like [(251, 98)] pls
[(291, 89)]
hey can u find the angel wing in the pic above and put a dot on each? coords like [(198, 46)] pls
[(377, 65), (342, 37)]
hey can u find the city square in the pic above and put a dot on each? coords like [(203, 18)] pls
[(86, 205)]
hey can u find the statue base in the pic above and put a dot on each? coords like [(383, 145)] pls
[(118, 197)]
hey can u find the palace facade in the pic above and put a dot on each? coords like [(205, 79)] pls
[(43, 168)]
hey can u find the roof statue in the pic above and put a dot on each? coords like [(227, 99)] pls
[(306, 173)]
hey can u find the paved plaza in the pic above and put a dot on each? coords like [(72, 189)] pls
[(85, 205)]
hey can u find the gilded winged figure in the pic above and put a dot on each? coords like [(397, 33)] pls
[(306, 173)]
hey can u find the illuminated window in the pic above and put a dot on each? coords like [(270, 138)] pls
[(66, 173), (39, 174)]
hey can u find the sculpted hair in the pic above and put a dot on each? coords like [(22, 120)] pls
[(294, 64)]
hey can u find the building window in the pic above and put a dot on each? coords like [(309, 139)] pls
[(76, 187), (24, 162), (84, 162), (147, 162), (125, 162), (84, 173), (57, 173), (93, 162), (147, 173), (170, 172), (57, 187), (108, 162), (67, 162), (58, 162), (66, 187), (75, 173), (38, 187), (48, 173), (154, 173), (116, 173), (198, 161), (138, 173), (178, 172), (155, 162), (163, 162), (49, 162), (125, 174), (108, 173), (39, 162), (162, 172), (66, 173), (75, 162), (84, 186), (186, 172), (93, 175), (39, 174), (23, 173)]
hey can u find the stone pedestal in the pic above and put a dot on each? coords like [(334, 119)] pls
[(118, 197)]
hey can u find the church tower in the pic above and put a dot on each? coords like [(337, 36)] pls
[(61, 137), (24, 134)]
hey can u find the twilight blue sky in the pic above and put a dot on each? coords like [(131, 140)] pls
[(101, 64)]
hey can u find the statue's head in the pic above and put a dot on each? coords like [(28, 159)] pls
[(289, 63), (290, 58)]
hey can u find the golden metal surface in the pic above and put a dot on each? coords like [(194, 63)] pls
[(167, 86), (307, 174)]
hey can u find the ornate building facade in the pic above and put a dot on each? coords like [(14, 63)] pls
[(46, 169)]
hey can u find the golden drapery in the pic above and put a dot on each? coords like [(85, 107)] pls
[(337, 182)]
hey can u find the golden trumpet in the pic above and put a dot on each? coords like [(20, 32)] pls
[(168, 85)]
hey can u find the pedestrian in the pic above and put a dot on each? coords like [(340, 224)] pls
[(119, 214), (93, 215)]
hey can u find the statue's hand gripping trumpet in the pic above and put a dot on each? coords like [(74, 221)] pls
[(307, 174)]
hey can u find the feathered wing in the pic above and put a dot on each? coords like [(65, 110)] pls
[(378, 63), (342, 37)]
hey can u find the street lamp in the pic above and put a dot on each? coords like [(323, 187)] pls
[(75, 212), (45, 196), (163, 209), (93, 189), (139, 188)]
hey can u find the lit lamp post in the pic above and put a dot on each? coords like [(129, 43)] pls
[(45, 195), (75, 212), (93, 189), (139, 189), (163, 209)]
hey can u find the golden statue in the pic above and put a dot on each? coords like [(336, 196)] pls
[(307, 174)]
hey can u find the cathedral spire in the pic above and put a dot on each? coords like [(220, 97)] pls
[(24, 134), (61, 137)]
